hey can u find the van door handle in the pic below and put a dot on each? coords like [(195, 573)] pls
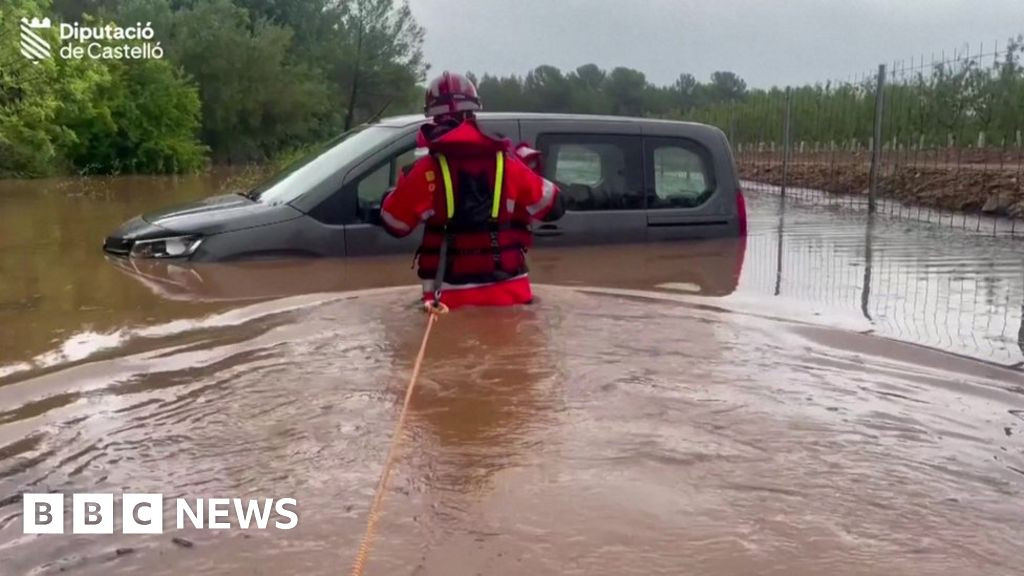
[(548, 230)]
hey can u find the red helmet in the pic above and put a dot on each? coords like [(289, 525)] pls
[(450, 93)]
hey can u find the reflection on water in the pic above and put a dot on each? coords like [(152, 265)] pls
[(61, 299), (916, 282), (53, 280), (591, 434), (721, 407)]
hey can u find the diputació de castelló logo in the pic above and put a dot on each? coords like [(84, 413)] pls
[(33, 46), (74, 41)]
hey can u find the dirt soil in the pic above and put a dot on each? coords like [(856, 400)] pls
[(993, 188)]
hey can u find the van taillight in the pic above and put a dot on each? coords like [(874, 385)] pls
[(741, 211)]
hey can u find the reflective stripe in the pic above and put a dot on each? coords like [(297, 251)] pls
[(510, 205), (525, 151), (393, 222), (447, 176), (498, 177), (547, 194), (426, 215)]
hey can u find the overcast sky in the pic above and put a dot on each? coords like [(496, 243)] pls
[(768, 42)]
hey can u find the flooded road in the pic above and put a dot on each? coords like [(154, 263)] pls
[(831, 396)]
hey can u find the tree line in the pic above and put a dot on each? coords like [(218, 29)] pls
[(955, 103), (591, 90), (965, 102), (247, 81), (240, 81)]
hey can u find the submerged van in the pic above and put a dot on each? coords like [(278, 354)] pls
[(624, 180)]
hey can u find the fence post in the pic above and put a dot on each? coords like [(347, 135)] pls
[(876, 143), (786, 145)]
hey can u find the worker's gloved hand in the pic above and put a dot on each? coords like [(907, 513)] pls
[(557, 209), (374, 215)]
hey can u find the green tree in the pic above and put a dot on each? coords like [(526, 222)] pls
[(686, 91), (548, 90), (91, 115), (625, 88), (142, 117), (726, 87), (29, 138), (502, 94), (381, 56), (587, 90), (255, 100), (1009, 81)]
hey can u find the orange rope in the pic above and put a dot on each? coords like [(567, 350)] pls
[(434, 311)]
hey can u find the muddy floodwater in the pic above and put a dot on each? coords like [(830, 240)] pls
[(832, 395)]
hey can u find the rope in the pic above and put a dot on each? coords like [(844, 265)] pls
[(435, 310)]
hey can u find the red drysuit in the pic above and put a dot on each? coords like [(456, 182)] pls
[(471, 189)]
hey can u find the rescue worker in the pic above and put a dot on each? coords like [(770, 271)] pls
[(477, 199)]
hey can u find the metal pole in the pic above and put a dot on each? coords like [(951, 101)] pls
[(732, 124), (1020, 331), (865, 292), (876, 143), (787, 121), (778, 255)]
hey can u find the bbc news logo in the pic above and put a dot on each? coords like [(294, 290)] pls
[(144, 513)]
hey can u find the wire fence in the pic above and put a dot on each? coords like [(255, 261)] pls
[(936, 139), (954, 300)]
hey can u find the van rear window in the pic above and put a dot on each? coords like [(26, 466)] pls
[(575, 164), (595, 172), (681, 175)]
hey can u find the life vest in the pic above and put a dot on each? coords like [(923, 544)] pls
[(484, 245)]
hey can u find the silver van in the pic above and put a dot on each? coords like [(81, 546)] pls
[(624, 180)]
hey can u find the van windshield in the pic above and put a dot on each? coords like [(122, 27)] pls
[(308, 171)]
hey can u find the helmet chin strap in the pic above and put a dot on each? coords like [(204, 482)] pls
[(452, 119), (447, 122)]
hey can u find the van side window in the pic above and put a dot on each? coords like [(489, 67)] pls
[(402, 161), (594, 172), (682, 176), (369, 189)]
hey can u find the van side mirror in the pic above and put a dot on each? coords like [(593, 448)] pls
[(373, 215)]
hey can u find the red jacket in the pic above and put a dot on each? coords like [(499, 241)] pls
[(487, 236)]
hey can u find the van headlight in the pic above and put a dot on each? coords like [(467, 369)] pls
[(169, 247)]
